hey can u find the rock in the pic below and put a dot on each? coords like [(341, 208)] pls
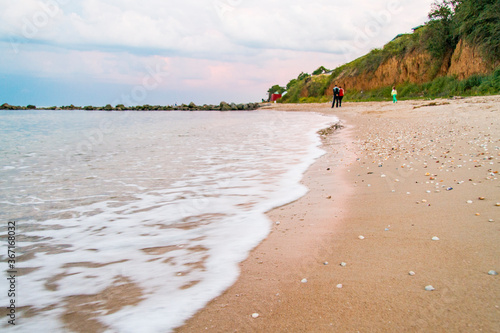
[(491, 220), (325, 263), (339, 286), (361, 237), (255, 315), (469, 201), (430, 288), (435, 238), (411, 273), (492, 272), (304, 281), (481, 198), (343, 264)]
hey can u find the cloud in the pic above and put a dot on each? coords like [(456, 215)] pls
[(240, 46)]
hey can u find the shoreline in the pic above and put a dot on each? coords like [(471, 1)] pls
[(394, 194)]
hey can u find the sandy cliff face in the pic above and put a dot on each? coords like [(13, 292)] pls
[(417, 67), (467, 61)]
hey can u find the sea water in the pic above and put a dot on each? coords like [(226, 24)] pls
[(136, 220)]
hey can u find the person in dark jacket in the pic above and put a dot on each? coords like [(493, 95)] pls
[(336, 91)]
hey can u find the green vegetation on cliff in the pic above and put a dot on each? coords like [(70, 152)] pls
[(477, 22)]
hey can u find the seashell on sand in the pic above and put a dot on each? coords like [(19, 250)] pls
[(430, 288)]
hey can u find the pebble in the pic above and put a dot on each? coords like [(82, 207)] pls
[(361, 237), (469, 201), (498, 204), (339, 286), (304, 281), (343, 264), (435, 238), (255, 315), (411, 273), (491, 220), (492, 273), (481, 198), (478, 214), (325, 263), (430, 288)]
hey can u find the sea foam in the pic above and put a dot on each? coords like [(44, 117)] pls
[(141, 225)]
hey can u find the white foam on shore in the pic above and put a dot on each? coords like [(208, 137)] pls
[(174, 226)]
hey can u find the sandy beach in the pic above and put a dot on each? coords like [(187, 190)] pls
[(393, 179)]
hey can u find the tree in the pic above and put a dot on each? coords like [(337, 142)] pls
[(440, 33), (276, 89), (320, 70), (478, 21), (303, 76)]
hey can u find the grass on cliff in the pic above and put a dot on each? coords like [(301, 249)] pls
[(441, 87)]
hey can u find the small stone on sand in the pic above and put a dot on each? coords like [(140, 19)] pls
[(343, 264), (492, 272), (435, 238), (304, 281), (255, 315), (430, 288), (339, 286), (411, 273), (361, 237), (469, 201)]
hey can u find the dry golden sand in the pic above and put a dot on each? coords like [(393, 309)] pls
[(389, 168)]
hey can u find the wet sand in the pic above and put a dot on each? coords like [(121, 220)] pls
[(397, 175)]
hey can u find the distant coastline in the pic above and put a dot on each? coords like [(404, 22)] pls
[(223, 106)]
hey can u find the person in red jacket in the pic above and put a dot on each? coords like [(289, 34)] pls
[(339, 98)]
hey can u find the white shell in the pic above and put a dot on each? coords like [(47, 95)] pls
[(361, 237), (492, 272), (430, 288), (411, 273), (255, 315), (469, 201), (343, 264), (339, 286), (435, 238), (304, 281)]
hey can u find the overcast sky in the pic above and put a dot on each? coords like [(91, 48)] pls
[(95, 52)]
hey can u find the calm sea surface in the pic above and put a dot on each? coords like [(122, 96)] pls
[(138, 219)]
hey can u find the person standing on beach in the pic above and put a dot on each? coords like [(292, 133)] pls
[(340, 97), (394, 94), (336, 91)]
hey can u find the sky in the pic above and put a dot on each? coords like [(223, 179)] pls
[(165, 52)]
